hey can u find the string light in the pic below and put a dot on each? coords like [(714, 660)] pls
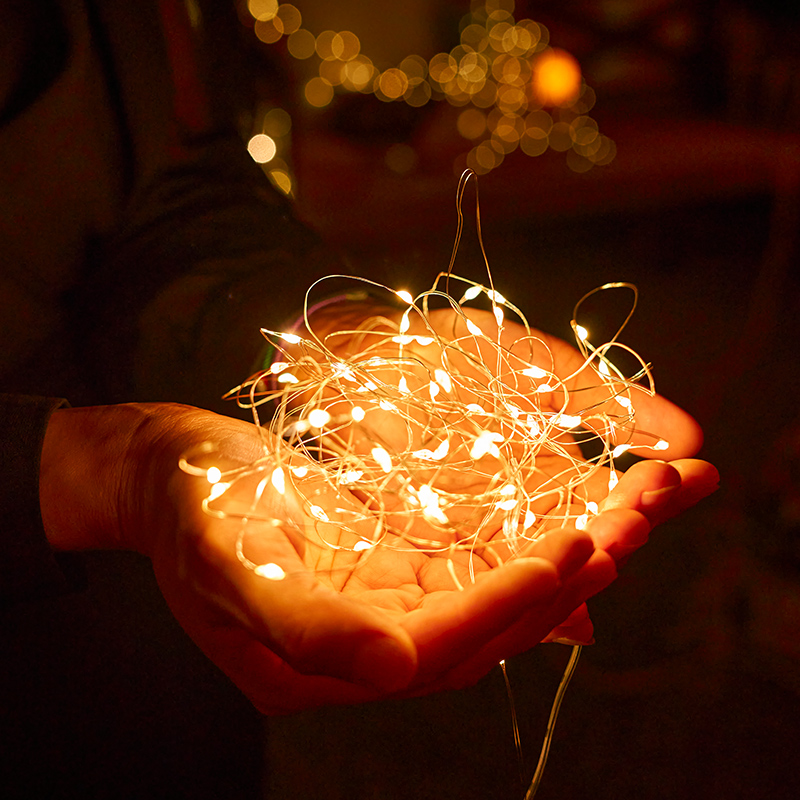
[(385, 420), (516, 91), (399, 416)]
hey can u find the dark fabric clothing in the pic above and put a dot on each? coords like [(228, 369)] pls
[(28, 567), (141, 266), (140, 252)]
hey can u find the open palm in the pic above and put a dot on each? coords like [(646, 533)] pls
[(345, 624)]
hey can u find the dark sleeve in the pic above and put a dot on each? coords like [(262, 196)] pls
[(28, 567), (207, 251), (208, 255)]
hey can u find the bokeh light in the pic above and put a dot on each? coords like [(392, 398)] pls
[(262, 9), (318, 92), (262, 148), (556, 78), (502, 73)]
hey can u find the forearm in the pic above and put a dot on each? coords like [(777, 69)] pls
[(107, 472), (81, 476)]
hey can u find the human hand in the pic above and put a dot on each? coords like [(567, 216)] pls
[(324, 634), (396, 573)]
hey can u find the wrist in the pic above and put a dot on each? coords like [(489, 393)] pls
[(80, 476)]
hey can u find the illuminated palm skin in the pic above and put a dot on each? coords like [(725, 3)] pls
[(327, 634), (391, 616), (466, 434)]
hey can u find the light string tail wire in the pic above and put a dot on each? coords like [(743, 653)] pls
[(569, 671)]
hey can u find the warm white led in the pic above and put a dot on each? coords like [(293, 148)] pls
[(486, 444), (473, 328), (471, 293), (279, 480), (318, 418), (272, 572), (530, 520), (350, 476), (383, 458), (534, 372), (443, 379), (217, 490)]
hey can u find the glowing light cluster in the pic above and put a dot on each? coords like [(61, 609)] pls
[(502, 71), (431, 427)]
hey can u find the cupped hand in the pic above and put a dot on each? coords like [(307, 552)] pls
[(331, 630), (344, 627)]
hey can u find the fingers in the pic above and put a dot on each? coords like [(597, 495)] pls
[(507, 610), (660, 491), (620, 532), (535, 624), (657, 416), (452, 625)]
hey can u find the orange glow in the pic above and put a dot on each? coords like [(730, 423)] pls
[(318, 92), (556, 78), (262, 148)]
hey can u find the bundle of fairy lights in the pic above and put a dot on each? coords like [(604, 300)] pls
[(429, 426), (439, 438)]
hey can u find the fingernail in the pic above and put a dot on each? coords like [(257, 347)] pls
[(383, 664), (657, 496)]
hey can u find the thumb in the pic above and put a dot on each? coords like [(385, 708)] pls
[(319, 631)]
